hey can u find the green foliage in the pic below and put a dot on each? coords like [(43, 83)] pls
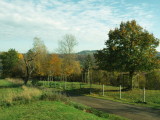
[(153, 80), (88, 63), (129, 48), (34, 82), (100, 77), (9, 63)]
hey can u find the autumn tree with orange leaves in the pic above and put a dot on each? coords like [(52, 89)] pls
[(55, 65), (66, 49)]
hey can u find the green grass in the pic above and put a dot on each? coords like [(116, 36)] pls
[(12, 93), (7, 90), (134, 96), (45, 110), (18, 102), (112, 93)]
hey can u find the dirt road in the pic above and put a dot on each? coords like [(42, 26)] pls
[(129, 111)]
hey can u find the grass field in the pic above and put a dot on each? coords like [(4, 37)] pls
[(110, 92), (45, 110), (18, 102)]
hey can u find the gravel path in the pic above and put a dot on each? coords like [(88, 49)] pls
[(129, 111)]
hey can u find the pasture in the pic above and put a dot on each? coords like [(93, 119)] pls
[(40, 103)]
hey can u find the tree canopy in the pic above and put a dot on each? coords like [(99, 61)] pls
[(9, 62), (129, 48)]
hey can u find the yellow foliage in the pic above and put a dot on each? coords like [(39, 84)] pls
[(55, 65), (73, 68), (20, 56)]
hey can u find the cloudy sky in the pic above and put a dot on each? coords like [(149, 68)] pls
[(88, 20)]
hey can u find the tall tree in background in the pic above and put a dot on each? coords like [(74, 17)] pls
[(35, 60), (41, 60), (87, 68), (66, 49), (67, 44), (129, 48)]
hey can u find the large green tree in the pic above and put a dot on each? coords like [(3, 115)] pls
[(9, 63), (130, 48)]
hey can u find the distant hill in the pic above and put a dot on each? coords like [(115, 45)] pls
[(86, 52)]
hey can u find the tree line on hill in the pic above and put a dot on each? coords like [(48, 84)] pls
[(129, 58)]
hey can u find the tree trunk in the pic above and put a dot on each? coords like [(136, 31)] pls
[(131, 73), (27, 75), (26, 80)]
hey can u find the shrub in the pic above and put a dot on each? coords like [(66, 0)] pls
[(53, 96), (28, 94), (35, 82), (153, 80)]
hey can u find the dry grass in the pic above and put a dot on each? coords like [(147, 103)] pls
[(30, 92), (15, 81), (24, 95)]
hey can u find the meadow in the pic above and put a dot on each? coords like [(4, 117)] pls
[(19, 102)]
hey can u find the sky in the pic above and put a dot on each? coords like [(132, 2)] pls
[(88, 20)]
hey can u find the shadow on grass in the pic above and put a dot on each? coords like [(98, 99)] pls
[(80, 92), (84, 91)]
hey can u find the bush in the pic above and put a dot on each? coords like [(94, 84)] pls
[(35, 82), (153, 80), (53, 96), (28, 94)]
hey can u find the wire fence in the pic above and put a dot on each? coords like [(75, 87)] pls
[(106, 91)]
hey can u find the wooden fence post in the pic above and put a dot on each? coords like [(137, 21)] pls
[(144, 95), (120, 96), (103, 89)]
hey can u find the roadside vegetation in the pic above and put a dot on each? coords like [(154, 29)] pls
[(135, 96), (23, 102)]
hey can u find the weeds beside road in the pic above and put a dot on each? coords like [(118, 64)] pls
[(27, 102)]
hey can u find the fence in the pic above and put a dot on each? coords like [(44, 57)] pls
[(107, 92)]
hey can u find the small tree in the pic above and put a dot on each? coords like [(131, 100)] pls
[(41, 60), (129, 48), (29, 64), (35, 60)]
